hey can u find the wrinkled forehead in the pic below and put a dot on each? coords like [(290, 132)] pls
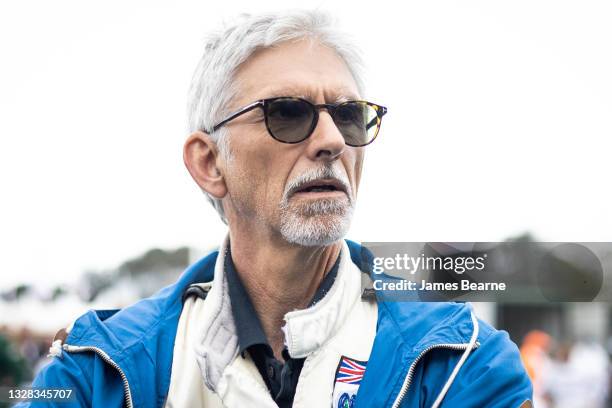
[(303, 68), (332, 93)]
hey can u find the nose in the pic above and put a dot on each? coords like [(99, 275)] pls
[(326, 143)]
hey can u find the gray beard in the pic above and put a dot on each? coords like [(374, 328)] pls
[(319, 223)]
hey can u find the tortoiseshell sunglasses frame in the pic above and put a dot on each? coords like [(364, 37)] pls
[(331, 108)]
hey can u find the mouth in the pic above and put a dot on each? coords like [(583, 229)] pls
[(321, 187)]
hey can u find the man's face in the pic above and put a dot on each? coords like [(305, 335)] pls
[(302, 192)]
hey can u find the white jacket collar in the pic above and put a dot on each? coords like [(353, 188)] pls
[(308, 329), (305, 330)]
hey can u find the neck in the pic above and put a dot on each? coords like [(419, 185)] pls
[(280, 277)]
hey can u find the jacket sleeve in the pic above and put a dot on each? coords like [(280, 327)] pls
[(83, 374), (492, 376)]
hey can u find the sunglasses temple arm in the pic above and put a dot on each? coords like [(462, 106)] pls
[(234, 115)]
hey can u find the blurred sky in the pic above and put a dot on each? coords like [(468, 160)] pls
[(500, 122)]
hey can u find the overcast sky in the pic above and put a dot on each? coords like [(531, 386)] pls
[(500, 122)]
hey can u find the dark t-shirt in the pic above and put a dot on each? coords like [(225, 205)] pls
[(281, 377)]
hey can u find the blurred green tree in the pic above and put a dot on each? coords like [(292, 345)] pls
[(13, 367)]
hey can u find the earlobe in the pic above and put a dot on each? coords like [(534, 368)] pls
[(200, 154)]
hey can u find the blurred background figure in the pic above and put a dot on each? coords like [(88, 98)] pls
[(577, 376), (534, 352)]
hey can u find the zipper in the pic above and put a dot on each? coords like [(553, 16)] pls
[(108, 360), (410, 374)]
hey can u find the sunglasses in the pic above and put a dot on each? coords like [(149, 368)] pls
[(293, 120)]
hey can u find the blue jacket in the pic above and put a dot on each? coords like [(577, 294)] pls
[(112, 358)]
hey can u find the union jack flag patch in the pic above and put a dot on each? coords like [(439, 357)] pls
[(347, 380), (350, 371)]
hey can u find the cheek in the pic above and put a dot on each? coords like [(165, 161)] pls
[(258, 174), (246, 179), (358, 168), (355, 165)]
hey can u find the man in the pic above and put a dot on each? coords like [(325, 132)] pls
[(276, 317)]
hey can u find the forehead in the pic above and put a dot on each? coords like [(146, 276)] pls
[(303, 68)]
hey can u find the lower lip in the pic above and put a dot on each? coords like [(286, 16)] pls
[(320, 194)]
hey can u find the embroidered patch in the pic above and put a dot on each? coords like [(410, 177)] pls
[(347, 380)]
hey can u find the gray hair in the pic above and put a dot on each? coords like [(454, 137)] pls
[(212, 87)]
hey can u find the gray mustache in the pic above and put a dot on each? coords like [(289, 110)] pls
[(318, 174)]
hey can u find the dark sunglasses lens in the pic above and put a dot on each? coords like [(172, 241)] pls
[(358, 122), (290, 120)]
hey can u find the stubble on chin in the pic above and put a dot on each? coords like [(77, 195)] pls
[(315, 223)]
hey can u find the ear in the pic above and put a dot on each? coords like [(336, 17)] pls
[(201, 155)]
